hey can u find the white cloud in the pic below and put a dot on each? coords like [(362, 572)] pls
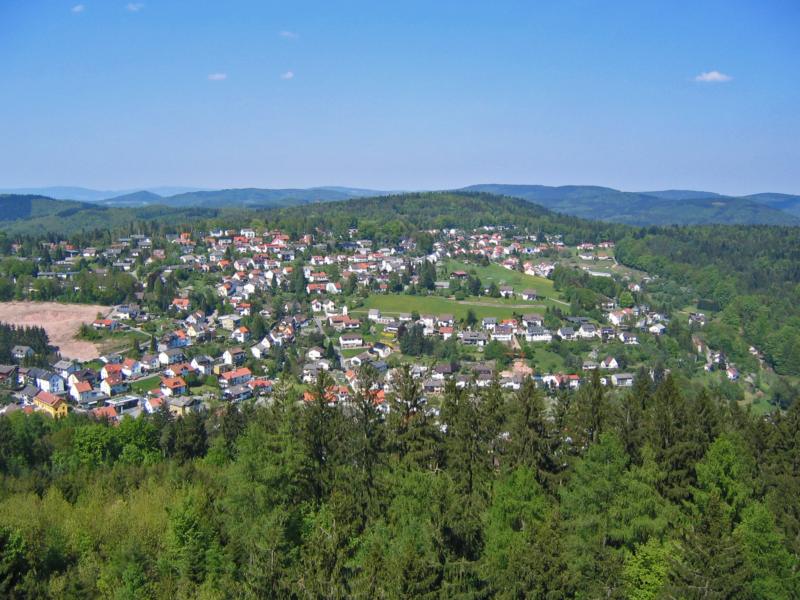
[(713, 77), (289, 35), (287, 75), (134, 6), (79, 8), (217, 76)]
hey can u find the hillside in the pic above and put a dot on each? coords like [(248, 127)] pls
[(14, 207), (785, 202), (388, 216), (37, 215), (672, 207), (242, 197), (141, 198)]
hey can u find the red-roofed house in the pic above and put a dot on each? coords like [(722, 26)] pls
[(80, 391), (173, 386), (236, 377)]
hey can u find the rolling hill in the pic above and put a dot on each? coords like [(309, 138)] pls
[(666, 207), (35, 215), (785, 202), (14, 207), (671, 207)]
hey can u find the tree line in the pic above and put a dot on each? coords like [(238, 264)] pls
[(663, 490)]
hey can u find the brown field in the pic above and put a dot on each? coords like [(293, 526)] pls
[(61, 321)]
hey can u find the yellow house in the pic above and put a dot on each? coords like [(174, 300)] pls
[(51, 404)]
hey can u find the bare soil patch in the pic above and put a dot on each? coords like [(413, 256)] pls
[(61, 321)]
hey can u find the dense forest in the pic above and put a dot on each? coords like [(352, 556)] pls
[(751, 274), (661, 491), (388, 218)]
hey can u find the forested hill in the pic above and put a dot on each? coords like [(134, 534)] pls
[(392, 216), (14, 207), (674, 207), (39, 215), (751, 273)]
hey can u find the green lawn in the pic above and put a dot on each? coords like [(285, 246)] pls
[(545, 361), (502, 276), (142, 386), (394, 304)]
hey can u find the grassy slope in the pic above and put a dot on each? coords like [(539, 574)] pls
[(502, 276), (483, 307)]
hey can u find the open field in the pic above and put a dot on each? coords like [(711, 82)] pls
[(61, 321), (394, 304), (502, 276)]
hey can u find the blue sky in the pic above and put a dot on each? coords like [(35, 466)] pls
[(401, 95)]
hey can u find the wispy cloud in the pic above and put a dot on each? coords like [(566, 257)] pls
[(287, 75), (217, 76), (713, 77), (134, 6), (79, 8), (289, 35)]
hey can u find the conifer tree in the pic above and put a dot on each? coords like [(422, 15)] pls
[(710, 562), (529, 437)]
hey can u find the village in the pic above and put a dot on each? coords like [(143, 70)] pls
[(224, 316)]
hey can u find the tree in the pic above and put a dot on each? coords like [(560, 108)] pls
[(529, 439), (626, 299), (232, 425), (13, 563), (646, 570), (592, 408), (191, 440), (773, 568), (670, 435), (369, 435), (587, 502), (192, 544), (517, 510), (710, 562), (630, 424), (471, 320), (411, 433), (319, 432)]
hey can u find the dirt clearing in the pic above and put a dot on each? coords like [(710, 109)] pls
[(61, 321)]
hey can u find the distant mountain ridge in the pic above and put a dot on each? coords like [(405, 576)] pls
[(668, 207), (83, 194), (665, 207)]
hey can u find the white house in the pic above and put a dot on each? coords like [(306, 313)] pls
[(131, 367), (622, 379), (351, 340), (202, 364), (241, 334), (315, 353), (610, 363), (538, 334), (47, 381), (503, 333), (80, 391), (566, 333), (113, 385)]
